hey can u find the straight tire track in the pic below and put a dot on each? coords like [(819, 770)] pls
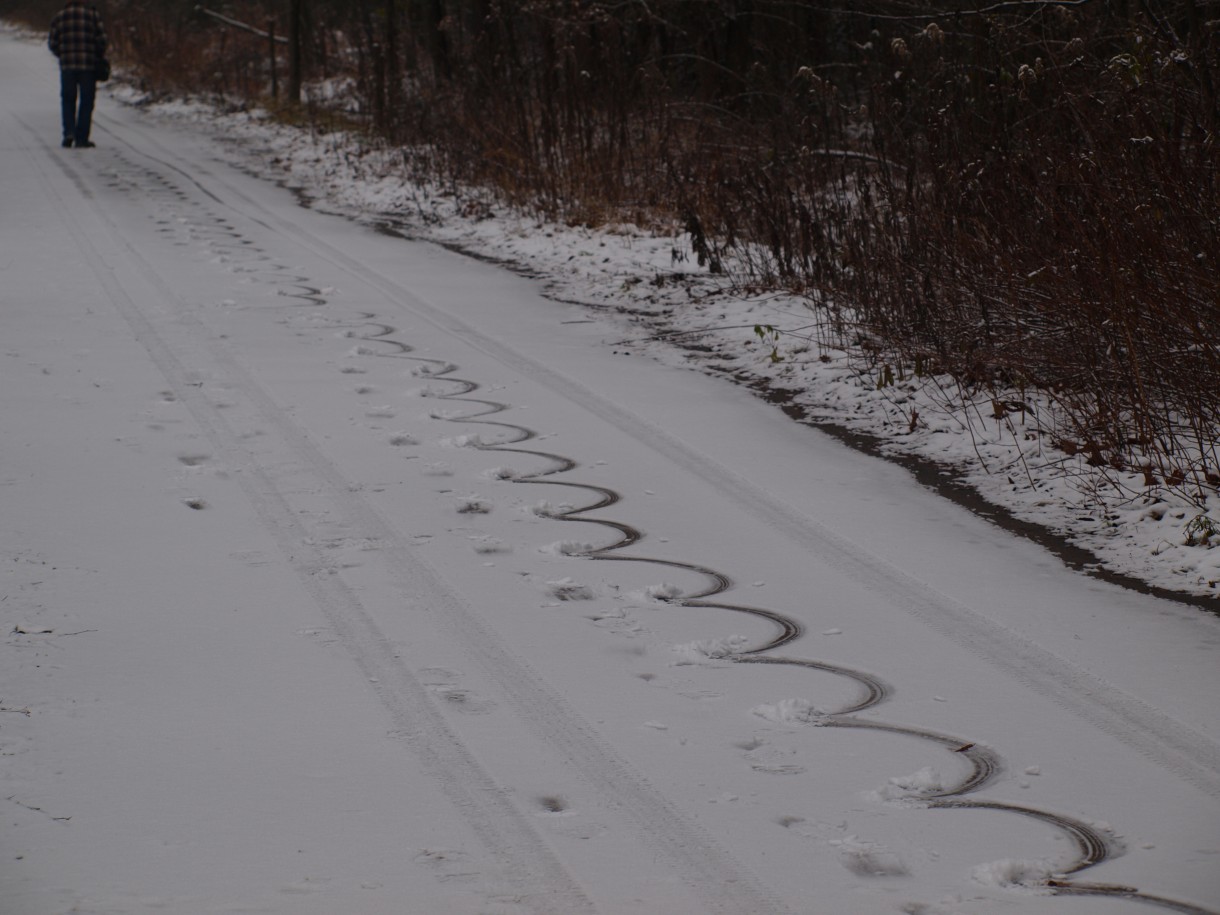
[(712, 875)]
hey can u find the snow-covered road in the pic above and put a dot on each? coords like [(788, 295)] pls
[(341, 573)]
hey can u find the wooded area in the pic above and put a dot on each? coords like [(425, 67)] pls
[(1017, 194)]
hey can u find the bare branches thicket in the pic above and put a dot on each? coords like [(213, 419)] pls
[(1062, 230), (35, 14), (1020, 194)]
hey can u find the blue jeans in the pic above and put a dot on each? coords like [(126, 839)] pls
[(77, 123)]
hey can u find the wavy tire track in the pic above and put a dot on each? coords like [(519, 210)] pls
[(1092, 845)]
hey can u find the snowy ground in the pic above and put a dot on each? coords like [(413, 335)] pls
[(677, 312), (344, 573)]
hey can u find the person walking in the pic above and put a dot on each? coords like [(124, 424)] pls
[(79, 41)]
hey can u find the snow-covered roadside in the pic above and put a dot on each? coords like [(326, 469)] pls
[(679, 313)]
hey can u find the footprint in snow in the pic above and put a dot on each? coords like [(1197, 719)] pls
[(868, 859), (485, 545), (462, 700), (567, 589), (772, 760), (552, 804), (448, 864)]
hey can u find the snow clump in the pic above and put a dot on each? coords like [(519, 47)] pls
[(568, 548), (663, 592), (462, 441), (1014, 873), (791, 711), (709, 650), (500, 473), (566, 589), (545, 509), (422, 371), (483, 545), (927, 782)]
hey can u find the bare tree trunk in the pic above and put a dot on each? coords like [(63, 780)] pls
[(438, 41), (275, 84), (393, 71), (294, 52)]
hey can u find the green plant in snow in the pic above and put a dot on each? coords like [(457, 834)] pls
[(770, 337), (1200, 530)]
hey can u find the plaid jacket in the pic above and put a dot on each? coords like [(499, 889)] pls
[(77, 37)]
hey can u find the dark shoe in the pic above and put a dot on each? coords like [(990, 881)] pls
[(85, 144), (66, 143)]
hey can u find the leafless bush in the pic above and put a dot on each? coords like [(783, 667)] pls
[(1057, 226)]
